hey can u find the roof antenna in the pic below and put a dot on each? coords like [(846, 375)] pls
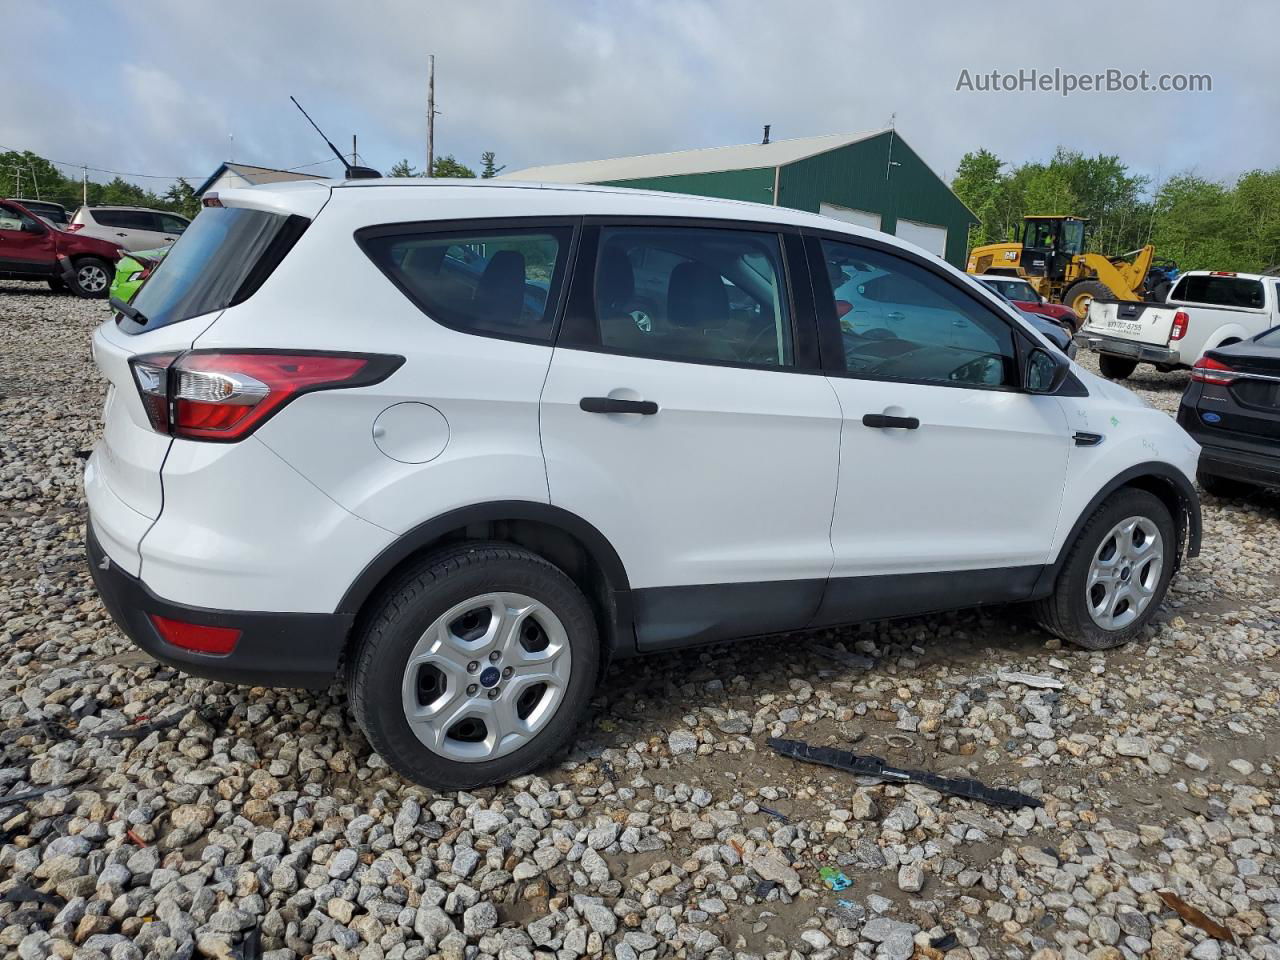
[(354, 172), (767, 126)]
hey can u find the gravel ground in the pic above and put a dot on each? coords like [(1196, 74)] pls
[(261, 825)]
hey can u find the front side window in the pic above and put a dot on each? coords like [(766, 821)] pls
[(1013, 289), (494, 282), (691, 293), (901, 321), (171, 224), (11, 218)]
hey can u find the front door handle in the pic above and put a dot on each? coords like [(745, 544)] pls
[(646, 408), (884, 422)]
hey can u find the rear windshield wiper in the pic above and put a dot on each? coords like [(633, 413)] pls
[(129, 310)]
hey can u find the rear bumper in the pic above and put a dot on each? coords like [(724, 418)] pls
[(1256, 467), (274, 649), (1142, 352)]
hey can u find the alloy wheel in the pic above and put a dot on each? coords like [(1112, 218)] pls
[(1125, 573), (486, 676), (92, 278)]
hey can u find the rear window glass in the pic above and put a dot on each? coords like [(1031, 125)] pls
[(1219, 291), (501, 283), (220, 260)]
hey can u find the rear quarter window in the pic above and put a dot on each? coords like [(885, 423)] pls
[(220, 260), (503, 282)]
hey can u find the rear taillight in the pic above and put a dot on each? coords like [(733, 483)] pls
[(224, 396), (1179, 328), (151, 374), (73, 227), (1209, 370), (196, 636)]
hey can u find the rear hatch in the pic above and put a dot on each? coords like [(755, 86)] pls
[(221, 259), (1240, 395), (1138, 321)]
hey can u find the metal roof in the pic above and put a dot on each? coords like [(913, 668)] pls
[(256, 175), (747, 156)]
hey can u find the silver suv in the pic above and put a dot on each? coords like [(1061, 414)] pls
[(134, 228)]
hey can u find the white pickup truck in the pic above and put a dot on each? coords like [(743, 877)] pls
[(1205, 309)]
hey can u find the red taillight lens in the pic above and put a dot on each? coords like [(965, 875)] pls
[(1179, 328), (843, 307), (225, 396), (195, 636), (73, 227), (1209, 370)]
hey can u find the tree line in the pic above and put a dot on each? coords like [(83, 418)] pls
[(1201, 223), (24, 174)]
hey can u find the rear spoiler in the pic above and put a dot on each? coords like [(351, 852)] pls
[(303, 198)]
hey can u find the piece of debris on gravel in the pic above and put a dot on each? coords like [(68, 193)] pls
[(155, 816)]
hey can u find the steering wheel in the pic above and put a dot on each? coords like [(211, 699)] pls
[(880, 333), (644, 322)]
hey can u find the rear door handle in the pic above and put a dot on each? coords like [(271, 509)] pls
[(883, 422), (646, 408)]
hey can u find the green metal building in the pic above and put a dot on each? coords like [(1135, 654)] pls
[(872, 179)]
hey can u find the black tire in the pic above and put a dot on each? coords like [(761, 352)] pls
[(404, 611), (57, 285), (1065, 612), (1116, 368), (91, 278), (1078, 291), (1227, 488)]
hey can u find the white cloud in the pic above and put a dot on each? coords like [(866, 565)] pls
[(159, 86)]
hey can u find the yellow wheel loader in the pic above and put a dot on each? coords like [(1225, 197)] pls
[(1051, 258)]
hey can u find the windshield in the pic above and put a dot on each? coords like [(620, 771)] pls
[(219, 260)]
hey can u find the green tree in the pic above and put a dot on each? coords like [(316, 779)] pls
[(401, 168), (448, 167), (980, 184), (488, 167), (182, 198)]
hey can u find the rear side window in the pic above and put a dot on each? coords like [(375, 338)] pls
[(171, 224), (221, 259), (694, 294), (1219, 291), (124, 219), (502, 282)]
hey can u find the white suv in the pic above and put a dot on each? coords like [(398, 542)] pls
[(134, 228), (469, 443)]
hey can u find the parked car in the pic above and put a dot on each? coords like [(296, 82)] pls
[(1206, 309), (134, 228), (399, 467), (56, 213), (132, 269), (1231, 408), (1026, 297), (33, 249), (1057, 332)]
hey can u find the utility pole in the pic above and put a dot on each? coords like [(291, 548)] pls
[(84, 185), (431, 112), (354, 161)]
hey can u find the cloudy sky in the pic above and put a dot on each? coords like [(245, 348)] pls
[(165, 88)]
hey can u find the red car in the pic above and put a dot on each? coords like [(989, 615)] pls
[(1025, 297), (32, 248)]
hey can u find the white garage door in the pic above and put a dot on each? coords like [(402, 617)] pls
[(930, 236), (862, 218)]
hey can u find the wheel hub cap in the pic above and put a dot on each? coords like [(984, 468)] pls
[(1124, 573), (486, 676)]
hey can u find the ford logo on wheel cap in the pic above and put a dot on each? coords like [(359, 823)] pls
[(490, 676)]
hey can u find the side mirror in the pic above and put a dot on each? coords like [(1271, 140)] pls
[(1043, 372), (32, 226)]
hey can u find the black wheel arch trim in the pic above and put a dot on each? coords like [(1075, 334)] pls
[(619, 633), (1187, 520)]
